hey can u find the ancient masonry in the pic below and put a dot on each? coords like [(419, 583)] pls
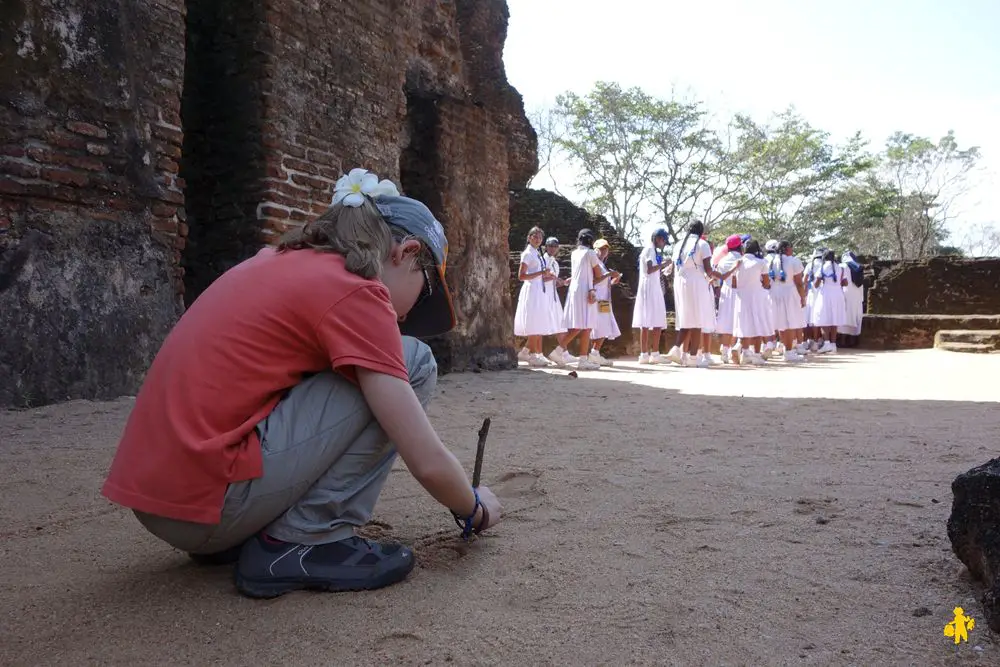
[(146, 147)]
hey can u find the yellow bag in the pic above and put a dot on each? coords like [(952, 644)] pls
[(604, 306)]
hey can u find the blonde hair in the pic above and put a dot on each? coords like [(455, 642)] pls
[(359, 234)]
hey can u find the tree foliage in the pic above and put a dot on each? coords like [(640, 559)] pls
[(644, 160)]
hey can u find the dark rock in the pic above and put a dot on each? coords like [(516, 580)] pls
[(974, 531)]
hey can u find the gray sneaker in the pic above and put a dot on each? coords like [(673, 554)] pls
[(268, 568)]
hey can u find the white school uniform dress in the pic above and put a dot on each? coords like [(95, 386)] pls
[(694, 299), (532, 318), (809, 276), (753, 316), (650, 311), (830, 307), (854, 297), (606, 326), (579, 313), (554, 301), (785, 300), (727, 294)]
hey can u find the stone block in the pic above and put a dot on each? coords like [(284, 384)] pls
[(974, 531)]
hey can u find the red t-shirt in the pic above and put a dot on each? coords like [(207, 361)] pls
[(245, 340)]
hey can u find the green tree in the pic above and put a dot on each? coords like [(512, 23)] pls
[(616, 138), (783, 171), (927, 179)]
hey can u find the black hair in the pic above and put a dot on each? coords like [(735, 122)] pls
[(829, 256), (752, 247), (586, 238), (780, 254), (695, 229)]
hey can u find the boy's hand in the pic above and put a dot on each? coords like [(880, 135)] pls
[(492, 505)]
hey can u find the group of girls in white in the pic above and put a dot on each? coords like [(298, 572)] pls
[(586, 316), (761, 303)]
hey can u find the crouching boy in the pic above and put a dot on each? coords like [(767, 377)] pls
[(269, 421)]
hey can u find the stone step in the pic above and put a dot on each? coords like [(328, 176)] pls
[(977, 348), (982, 341), (912, 332)]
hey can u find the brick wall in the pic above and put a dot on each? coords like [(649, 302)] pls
[(114, 210), (398, 88), (936, 286), (92, 221)]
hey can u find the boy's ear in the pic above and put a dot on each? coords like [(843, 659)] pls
[(404, 250)]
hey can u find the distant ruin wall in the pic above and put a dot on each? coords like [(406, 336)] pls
[(937, 286), (91, 206)]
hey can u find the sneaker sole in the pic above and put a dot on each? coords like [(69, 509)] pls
[(264, 589)]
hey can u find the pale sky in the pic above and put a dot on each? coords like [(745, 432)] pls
[(875, 66)]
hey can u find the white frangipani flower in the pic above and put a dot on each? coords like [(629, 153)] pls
[(353, 186)]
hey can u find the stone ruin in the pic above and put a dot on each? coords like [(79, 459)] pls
[(146, 147), (923, 303)]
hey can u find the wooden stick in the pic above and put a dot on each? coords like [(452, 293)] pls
[(480, 450)]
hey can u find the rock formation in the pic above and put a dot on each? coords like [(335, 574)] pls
[(974, 531), (147, 147)]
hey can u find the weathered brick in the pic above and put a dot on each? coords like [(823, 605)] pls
[(65, 140), (19, 169), (87, 129), (272, 212), (168, 135), (64, 177), (167, 165), (12, 150), (87, 163), (312, 182), (40, 154), (98, 149), (164, 210), (165, 225)]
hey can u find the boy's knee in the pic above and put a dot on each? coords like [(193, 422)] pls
[(422, 366)]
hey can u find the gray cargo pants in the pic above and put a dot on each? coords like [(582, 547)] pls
[(326, 460)]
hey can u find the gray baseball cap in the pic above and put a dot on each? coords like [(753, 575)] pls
[(434, 314)]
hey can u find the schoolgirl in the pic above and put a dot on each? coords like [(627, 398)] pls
[(694, 301), (788, 296), (606, 327), (726, 263), (532, 317), (753, 319), (830, 307), (580, 311), (854, 296), (650, 313)]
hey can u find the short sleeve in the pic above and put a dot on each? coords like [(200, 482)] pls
[(362, 330), (525, 255), (704, 251), (593, 258)]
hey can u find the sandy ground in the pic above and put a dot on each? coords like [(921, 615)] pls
[(773, 516)]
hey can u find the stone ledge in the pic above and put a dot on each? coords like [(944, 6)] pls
[(914, 332)]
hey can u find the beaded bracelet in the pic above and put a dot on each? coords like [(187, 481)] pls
[(466, 523)]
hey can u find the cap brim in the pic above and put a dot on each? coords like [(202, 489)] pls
[(434, 316)]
